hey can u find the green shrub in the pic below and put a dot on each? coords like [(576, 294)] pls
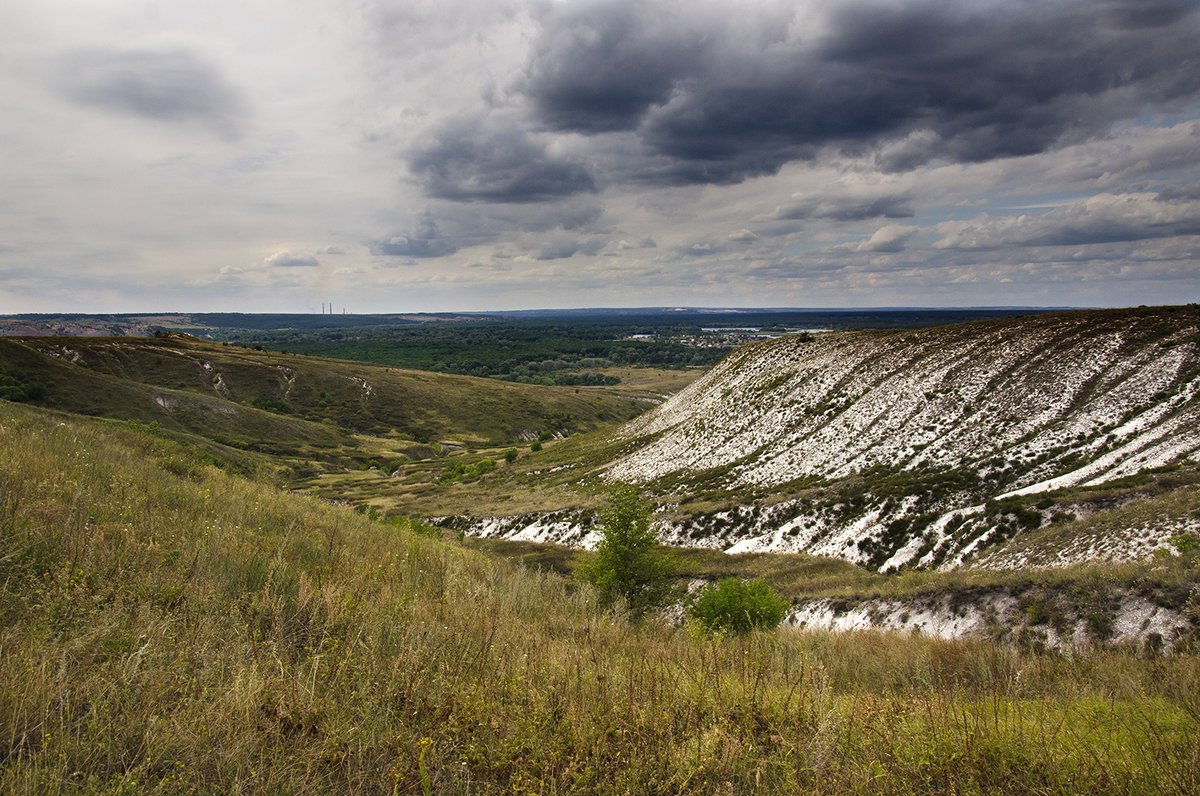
[(628, 563), (1188, 547), (452, 473), (457, 471), (734, 605), (21, 387), (276, 405)]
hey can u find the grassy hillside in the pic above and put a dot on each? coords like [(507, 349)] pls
[(368, 399), (168, 627), (303, 415)]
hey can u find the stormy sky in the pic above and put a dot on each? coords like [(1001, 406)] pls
[(432, 155)]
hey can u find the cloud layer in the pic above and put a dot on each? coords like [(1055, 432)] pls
[(723, 99), (475, 154)]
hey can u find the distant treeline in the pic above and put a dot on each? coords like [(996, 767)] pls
[(526, 351), (553, 347), (557, 347)]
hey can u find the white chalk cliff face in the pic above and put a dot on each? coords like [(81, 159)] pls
[(923, 431), (839, 403)]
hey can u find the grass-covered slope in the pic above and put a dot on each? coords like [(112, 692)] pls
[(249, 397), (166, 627), (926, 447)]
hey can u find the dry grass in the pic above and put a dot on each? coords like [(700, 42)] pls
[(166, 627)]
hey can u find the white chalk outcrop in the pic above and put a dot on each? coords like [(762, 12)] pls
[(948, 420)]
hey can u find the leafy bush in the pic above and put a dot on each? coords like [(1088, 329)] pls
[(276, 405), (628, 563), (734, 605), (153, 428), (1187, 545), (21, 387), (457, 471)]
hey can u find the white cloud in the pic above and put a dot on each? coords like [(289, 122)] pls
[(1105, 218), (890, 238), (287, 259)]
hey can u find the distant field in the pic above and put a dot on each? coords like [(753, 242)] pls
[(550, 347)]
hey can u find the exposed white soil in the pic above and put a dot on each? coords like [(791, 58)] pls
[(62, 352), (1120, 545), (570, 528), (365, 390), (937, 617), (976, 412), (999, 616), (841, 402)]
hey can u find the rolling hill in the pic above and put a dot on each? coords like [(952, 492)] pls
[(297, 407), (988, 450), (170, 627), (1043, 440)]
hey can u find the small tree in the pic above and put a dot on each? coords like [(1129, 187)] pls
[(733, 605), (628, 564)]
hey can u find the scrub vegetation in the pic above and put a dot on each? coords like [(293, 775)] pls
[(733, 605), (169, 626)]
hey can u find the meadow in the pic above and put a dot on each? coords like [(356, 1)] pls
[(167, 626)]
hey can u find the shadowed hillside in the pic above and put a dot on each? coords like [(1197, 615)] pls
[(295, 405)]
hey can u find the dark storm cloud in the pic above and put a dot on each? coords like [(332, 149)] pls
[(1154, 14), (599, 66), (1177, 193), (173, 86), (426, 242), (470, 160), (726, 98)]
